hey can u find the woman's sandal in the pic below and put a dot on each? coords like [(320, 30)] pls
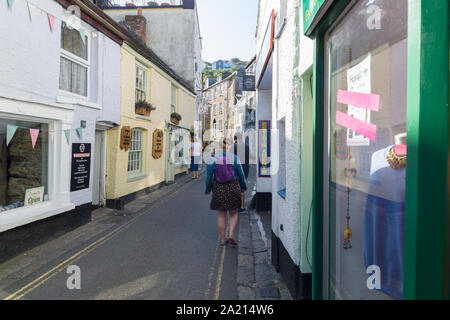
[(232, 241)]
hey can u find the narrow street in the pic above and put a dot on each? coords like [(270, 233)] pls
[(168, 249)]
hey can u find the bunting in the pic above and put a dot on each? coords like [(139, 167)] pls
[(10, 131), (51, 21), (34, 135), (80, 133), (67, 134), (51, 18), (10, 4)]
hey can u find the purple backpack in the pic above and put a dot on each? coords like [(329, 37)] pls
[(224, 170)]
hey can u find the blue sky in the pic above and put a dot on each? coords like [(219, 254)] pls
[(228, 28)]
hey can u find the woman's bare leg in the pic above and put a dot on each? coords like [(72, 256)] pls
[(233, 220), (222, 224)]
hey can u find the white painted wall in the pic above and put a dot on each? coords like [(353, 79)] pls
[(29, 83)]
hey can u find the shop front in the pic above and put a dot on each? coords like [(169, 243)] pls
[(381, 92)]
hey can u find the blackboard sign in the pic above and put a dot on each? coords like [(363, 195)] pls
[(249, 83), (81, 166)]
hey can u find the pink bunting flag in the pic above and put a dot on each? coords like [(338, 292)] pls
[(51, 21), (34, 134), (52, 135)]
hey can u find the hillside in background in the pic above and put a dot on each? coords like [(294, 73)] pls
[(208, 72)]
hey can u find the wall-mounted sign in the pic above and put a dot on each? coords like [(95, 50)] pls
[(264, 148), (158, 143), (81, 166), (125, 138), (33, 196), (266, 49), (249, 83), (310, 10)]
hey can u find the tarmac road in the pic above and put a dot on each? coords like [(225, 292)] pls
[(168, 250)]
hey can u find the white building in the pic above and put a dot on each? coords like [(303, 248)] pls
[(284, 122), (59, 92)]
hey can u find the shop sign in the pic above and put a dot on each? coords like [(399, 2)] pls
[(249, 83), (158, 140), (310, 10), (125, 138), (33, 196), (81, 166), (264, 148)]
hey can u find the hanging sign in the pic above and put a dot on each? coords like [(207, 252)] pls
[(310, 10), (81, 166), (249, 83), (125, 138), (158, 137), (264, 148)]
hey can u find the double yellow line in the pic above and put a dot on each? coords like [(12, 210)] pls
[(63, 265), (219, 273)]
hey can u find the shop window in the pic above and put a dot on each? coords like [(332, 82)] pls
[(74, 65), (367, 134), (135, 155), (141, 83), (23, 168)]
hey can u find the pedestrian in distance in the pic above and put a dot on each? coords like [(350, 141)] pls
[(225, 178), (195, 154), (241, 150)]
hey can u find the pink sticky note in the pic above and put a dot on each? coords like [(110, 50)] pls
[(368, 130), (360, 100), (34, 134), (400, 149)]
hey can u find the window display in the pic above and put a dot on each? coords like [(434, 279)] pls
[(366, 89), (23, 163)]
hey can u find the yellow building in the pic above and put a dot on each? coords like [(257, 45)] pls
[(146, 151)]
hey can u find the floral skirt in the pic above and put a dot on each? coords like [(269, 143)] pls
[(226, 196)]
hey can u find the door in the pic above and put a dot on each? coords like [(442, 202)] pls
[(170, 159), (98, 183)]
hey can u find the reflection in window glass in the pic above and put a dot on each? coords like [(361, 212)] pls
[(23, 169), (367, 96)]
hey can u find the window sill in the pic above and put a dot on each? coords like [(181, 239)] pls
[(80, 102), (282, 193), (139, 116), (24, 215), (136, 176)]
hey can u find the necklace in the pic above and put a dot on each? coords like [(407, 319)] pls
[(395, 161), (349, 173)]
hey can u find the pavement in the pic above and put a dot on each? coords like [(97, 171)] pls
[(257, 278), (162, 246)]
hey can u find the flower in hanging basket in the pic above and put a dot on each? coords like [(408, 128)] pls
[(144, 108), (175, 117)]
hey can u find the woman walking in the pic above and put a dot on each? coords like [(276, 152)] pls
[(225, 177), (196, 152)]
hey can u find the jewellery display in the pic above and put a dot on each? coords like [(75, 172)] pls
[(395, 161)]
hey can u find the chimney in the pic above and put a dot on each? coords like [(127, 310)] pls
[(138, 24)]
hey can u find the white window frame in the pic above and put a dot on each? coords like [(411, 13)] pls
[(145, 82), (137, 164), (82, 62)]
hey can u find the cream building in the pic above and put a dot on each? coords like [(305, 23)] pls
[(135, 164)]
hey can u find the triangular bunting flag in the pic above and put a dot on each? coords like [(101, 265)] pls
[(34, 135), (52, 135), (51, 21), (83, 35), (10, 4), (94, 35), (67, 134), (10, 130), (80, 133), (30, 10)]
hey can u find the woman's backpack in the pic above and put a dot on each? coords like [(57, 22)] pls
[(224, 169)]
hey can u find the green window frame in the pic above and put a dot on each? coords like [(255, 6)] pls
[(427, 213)]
